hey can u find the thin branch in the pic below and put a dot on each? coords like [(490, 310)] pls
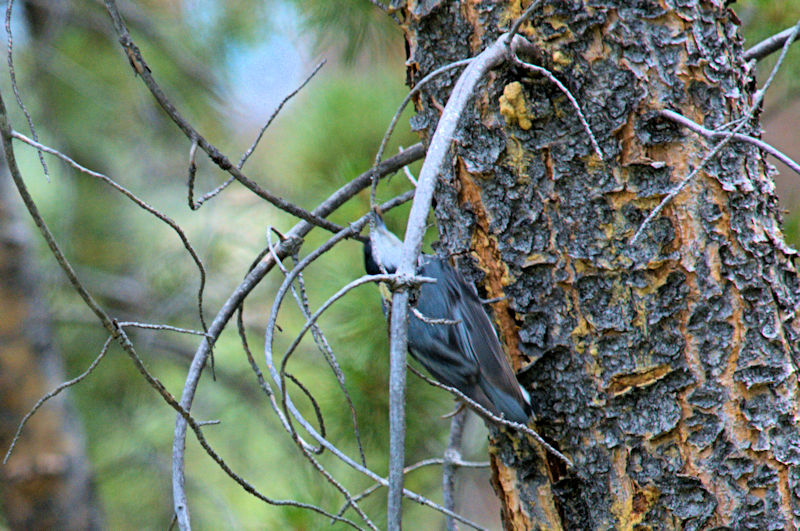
[(416, 466), (430, 320), (451, 456), (314, 405), (407, 171), (413, 92), (769, 45), (708, 133), (150, 326), (277, 110), (553, 79), (312, 319), (259, 375), (389, 130), (13, 75), (140, 67), (759, 95), (55, 392), (494, 418), (521, 20)]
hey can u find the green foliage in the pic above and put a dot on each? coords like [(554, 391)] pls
[(355, 28), (762, 19), (85, 100)]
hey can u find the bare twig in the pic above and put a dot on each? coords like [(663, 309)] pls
[(494, 418), (769, 45), (327, 304), (407, 171), (757, 98), (553, 79), (194, 205), (259, 375), (13, 75), (292, 94), (410, 468), (387, 135), (759, 95), (253, 277), (413, 92), (53, 393), (451, 457), (521, 20), (430, 320), (678, 189), (150, 326), (708, 133)]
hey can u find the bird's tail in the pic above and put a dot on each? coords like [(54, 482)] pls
[(516, 409)]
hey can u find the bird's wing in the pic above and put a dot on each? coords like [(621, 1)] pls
[(467, 354), (479, 339)]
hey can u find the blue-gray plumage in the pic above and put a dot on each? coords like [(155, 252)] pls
[(465, 354)]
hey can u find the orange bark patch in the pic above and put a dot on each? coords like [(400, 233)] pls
[(505, 483), (625, 382), (484, 246)]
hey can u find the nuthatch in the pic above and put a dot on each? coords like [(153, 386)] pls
[(465, 351)]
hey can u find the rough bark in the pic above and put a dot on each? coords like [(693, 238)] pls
[(47, 482), (663, 369)]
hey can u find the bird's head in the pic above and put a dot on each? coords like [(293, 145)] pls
[(383, 250)]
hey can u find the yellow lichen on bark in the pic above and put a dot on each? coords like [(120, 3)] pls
[(631, 501), (513, 107)]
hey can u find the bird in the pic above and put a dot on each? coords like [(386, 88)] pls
[(461, 348)]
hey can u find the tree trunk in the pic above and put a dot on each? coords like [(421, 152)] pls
[(47, 482), (663, 368)]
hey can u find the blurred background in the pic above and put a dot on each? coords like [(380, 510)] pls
[(226, 66)]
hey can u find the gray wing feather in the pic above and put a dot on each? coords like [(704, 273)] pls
[(466, 355)]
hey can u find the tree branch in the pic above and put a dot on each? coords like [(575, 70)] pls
[(140, 67), (708, 133), (757, 99), (769, 45), (235, 300), (451, 457)]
